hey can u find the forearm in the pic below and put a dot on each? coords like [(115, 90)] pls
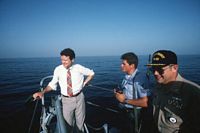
[(88, 79), (47, 89), (41, 93), (141, 102)]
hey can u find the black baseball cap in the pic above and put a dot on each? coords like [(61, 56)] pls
[(163, 58)]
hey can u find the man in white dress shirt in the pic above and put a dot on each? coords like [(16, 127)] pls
[(73, 101)]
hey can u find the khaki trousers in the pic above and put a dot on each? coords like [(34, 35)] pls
[(74, 112)]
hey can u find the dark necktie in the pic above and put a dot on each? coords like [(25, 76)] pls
[(69, 83)]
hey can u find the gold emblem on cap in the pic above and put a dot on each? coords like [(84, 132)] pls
[(160, 55), (156, 58)]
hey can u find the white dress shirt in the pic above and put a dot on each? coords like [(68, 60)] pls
[(77, 77)]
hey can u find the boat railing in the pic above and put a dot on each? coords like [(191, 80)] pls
[(45, 116), (41, 85)]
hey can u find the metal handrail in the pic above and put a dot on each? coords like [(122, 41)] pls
[(44, 114)]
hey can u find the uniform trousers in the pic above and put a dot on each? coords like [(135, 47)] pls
[(74, 112)]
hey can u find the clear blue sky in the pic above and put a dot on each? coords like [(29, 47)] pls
[(42, 28)]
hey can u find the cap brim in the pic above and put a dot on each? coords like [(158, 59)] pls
[(155, 65)]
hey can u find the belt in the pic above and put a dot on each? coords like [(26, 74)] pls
[(72, 95)]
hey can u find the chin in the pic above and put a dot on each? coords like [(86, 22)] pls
[(159, 80), (66, 66)]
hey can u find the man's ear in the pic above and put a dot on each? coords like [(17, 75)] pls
[(133, 65), (72, 60), (175, 67)]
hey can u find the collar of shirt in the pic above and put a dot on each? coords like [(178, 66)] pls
[(128, 77), (70, 68)]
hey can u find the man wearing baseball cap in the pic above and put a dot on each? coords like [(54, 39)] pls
[(177, 100)]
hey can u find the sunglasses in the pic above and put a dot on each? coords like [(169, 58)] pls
[(159, 69)]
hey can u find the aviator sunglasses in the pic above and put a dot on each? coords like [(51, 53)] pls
[(159, 69)]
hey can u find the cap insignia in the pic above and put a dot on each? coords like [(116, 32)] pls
[(160, 55)]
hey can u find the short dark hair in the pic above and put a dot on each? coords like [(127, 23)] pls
[(131, 58), (68, 52)]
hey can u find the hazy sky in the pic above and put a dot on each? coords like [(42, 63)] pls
[(42, 28)]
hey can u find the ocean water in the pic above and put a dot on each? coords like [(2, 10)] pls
[(20, 78)]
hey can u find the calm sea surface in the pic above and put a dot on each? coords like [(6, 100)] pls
[(20, 78)]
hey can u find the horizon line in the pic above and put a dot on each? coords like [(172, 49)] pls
[(88, 56)]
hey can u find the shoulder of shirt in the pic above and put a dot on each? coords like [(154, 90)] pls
[(181, 79), (59, 67), (140, 76), (76, 66)]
